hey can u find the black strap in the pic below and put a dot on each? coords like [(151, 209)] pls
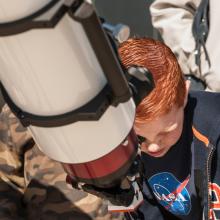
[(200, 31), (91, 111), (29, 22)]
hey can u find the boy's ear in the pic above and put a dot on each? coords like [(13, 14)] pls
[(187, 84)]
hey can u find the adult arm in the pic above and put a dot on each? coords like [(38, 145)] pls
[(173, 19)]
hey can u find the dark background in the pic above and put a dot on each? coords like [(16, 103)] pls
[(134, 13)]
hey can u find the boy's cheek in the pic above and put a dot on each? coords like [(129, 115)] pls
[(143, 150), (144, 147)]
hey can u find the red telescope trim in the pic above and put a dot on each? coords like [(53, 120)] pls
[(110, 168)]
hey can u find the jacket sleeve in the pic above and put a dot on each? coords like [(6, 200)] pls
[(173, 19)]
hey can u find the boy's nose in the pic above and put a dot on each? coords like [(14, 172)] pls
[(153, 147)]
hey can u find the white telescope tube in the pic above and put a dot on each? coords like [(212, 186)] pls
[(53, 71)]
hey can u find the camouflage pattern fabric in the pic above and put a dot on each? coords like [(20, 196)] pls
[(32, 186)]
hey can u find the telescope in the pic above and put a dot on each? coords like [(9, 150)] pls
[(63, 80)]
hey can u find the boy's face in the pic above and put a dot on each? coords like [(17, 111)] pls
[(163, 132)]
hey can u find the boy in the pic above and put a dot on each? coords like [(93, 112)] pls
[(180, 138)]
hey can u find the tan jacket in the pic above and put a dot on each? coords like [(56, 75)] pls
[(173, 19)]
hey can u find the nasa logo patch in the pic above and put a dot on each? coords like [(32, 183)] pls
[(171, 193)]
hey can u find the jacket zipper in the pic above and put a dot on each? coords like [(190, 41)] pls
[(208, 169)]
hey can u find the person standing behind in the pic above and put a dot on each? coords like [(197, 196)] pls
[(190, 27)]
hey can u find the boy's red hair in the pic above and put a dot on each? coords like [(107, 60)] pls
[(169, 88)]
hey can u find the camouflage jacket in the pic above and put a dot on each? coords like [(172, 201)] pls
[(32, 186)]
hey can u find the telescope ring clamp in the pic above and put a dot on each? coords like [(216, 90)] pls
[(117, 89), (91, 111), (111, 94)]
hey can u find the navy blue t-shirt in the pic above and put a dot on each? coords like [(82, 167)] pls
[(170, 179)]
